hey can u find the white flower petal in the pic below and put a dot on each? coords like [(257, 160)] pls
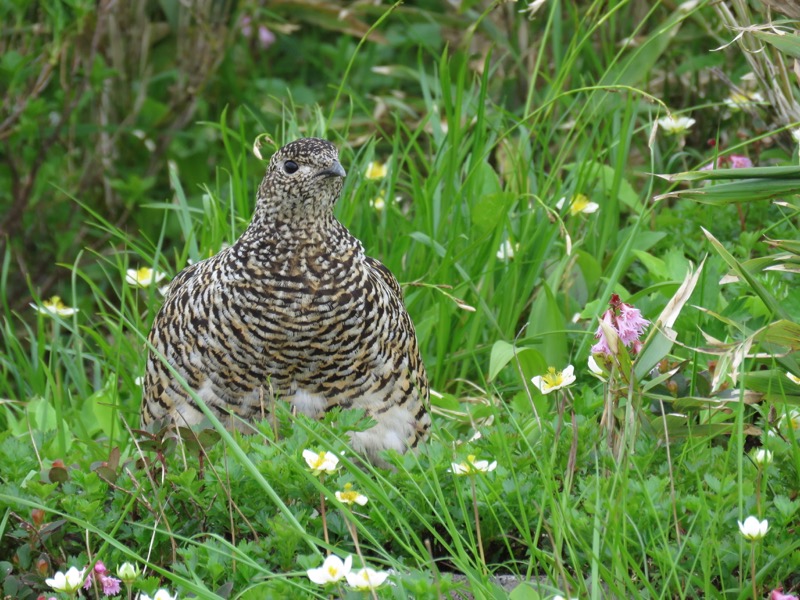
[(753, 529)]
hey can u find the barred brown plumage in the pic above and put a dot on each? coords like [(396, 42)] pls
[(293, 308)]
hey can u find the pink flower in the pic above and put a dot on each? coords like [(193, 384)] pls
[(110, 585), (265, 37), (740, 161), (244, 26), (601, 347), (737, 161), (626, 320), (777, 594), (630, 324), (710, 166)]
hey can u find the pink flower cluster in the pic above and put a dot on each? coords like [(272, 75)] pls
[(626, 320), (264, 36), (736, 161), (109, 585)]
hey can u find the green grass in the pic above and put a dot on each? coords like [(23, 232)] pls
[(482, 137)]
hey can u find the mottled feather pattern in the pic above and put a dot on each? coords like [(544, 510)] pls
[(293, 308)]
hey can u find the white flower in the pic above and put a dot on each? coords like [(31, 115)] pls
[(554, 380), (738, 100), (128, 572), (753, 529), (793, 378), (366, 579), (533, 8), (791, 420), (473, 466), (68, 582), (376, 170), (762, 456), (796, 135), (379, 201), (579, 203), (594, 367), (331, 571), (143, 277), (55, 306), (350, 496), (138, 381), (507, 250), (321, 462), (161, 594), (675, 125)]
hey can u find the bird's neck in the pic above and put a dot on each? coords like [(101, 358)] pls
[(297, 232)]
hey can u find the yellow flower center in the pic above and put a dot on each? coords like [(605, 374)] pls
[(144, 274), (349, 495), (738, 98), (553, 378), (320, 460), (55, 304), (579, 204)]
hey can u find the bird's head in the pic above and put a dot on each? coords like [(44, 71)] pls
[(304, 178)]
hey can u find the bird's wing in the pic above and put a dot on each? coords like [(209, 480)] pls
[(181, 278), (384, 274)]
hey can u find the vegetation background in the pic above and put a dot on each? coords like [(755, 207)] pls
[(129, 138)]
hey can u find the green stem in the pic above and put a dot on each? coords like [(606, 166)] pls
[(477, 522), (753, 569), (324, 520)]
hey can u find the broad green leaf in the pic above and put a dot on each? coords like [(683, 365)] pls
[(42, 414), (98, 413), (524, 591), (658, 347), (655, 266), (490, 210), (502, 353), (545, 320)]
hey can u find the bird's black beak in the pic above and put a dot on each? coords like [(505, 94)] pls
[(335, 170)]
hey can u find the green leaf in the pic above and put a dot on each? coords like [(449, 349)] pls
[(789, 172), (524, 591), (656, 266), (785, 506), (658, 347), (42, 415), (758, 288), (545, 319), (502, 353), (746, 190), (99, 411), (490, 210), (787, 43)]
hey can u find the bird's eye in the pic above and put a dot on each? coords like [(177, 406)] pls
[(290, 167)]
